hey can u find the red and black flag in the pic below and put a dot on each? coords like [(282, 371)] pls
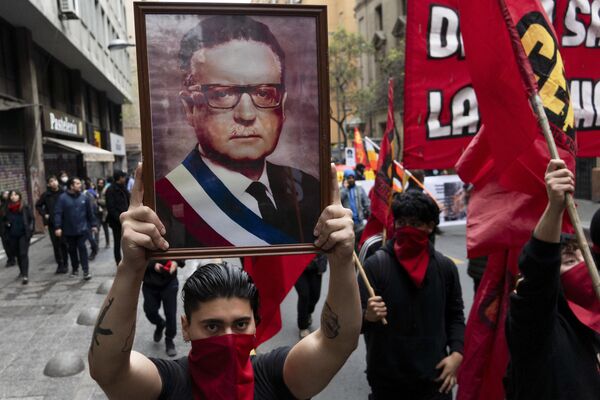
[(382, 191), (512, 54)]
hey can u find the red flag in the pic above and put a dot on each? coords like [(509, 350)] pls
[(512, 53), (273, 276), (359, 149), (381, 193)]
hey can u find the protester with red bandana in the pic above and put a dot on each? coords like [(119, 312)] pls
[(417, 354), (553, 323), (221, 307), (19, 224)]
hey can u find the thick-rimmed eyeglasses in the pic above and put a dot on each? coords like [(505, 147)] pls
[(266, 95)]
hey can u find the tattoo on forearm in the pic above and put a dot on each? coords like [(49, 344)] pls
[(329, 322), (98, 330), (128, 345)]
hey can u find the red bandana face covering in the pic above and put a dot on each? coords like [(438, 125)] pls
[(581, 297), (221, 368), (411, 246)]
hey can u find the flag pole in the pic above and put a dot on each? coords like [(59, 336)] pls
[(538, 107), (410, 175), (365, 279)]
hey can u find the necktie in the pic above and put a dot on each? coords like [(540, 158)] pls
[(265, 206)]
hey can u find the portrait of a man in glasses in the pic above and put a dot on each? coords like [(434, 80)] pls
[(225, 192)]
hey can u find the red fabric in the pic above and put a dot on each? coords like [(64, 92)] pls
[(506, 163), (381, 192), (486, 352), (582, 65), (359, 149), (14, 207), (274, 276), (195, 224), (426, 75), (581, 297), (221, 368), (411, 247), (435, 136)]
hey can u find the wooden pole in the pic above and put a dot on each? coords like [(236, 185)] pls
[(363, 275), (538, 107)]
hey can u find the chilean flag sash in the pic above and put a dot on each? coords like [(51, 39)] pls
[(210, 212)]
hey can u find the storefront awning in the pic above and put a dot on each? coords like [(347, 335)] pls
[(90, 153)]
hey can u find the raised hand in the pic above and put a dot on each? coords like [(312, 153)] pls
[(334, 229), (142, 229)]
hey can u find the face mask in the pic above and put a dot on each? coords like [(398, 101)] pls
[(411, 246), (64, 179), (581, 297), (221, 368)]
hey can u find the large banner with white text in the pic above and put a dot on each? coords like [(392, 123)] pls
[(440, 107)]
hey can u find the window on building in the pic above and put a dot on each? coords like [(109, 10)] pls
[(60, 86), (379, 18), (8, 62), (41, 61)]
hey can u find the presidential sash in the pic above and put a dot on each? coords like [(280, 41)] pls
[(210, 212)]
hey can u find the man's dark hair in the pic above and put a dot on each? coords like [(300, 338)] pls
[(213, 31), (415, 205), (71, 180), (50, 178), (214, 281), (118, 174)]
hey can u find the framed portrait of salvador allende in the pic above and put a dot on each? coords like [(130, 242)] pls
[(235, 119)]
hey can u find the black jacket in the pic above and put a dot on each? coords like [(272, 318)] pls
[(27, 220), (424, 325), (117, 202), (46, 204), (553, 355)]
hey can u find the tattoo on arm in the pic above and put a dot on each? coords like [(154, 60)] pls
[(98, 330), (128, 345), (329, 322)]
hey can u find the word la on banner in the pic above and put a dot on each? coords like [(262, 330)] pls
[(441, 112)]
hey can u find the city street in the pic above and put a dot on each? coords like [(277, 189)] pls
[(39, 322)]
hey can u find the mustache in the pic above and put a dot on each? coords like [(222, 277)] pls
[(241, 131)]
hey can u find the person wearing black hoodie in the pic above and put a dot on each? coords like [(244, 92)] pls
[(417, 354), (18, 222), (553, 322), (117, 202), (45, 207)]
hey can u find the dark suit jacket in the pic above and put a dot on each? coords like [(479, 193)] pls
[(297, 199)]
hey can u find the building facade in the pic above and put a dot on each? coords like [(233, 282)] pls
[(61, 91), (382, 23)]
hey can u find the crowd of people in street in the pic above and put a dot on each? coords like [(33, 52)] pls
[(73, 211), (413, 326)]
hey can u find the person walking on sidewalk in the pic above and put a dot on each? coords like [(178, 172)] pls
[(45, 207), (101, 213), (117, 202), (308, 287), (161, 285), (10, 258), (18, 222), (73, 217), (93, 237)]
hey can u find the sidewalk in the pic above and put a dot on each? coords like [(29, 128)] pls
[(39, 321)]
